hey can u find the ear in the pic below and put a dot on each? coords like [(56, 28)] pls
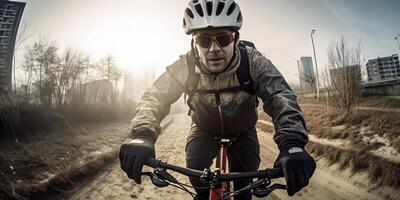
[(194, 49)]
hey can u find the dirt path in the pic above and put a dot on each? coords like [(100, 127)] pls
[(114, 184)]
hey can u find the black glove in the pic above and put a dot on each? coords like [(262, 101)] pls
[(132, 155), (297, 166)]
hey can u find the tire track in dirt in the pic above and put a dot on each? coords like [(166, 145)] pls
[(114, 184)]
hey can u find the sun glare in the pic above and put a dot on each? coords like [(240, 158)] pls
[(137, 38)]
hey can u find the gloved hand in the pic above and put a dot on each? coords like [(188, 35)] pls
[(132, 155), (297, 166)]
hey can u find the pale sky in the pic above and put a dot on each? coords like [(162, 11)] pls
[(148, 33)]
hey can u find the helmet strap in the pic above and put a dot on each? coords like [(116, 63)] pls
[(237, 37)]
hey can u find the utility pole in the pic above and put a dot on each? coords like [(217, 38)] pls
[(315, 59), (397, 39), (301, 84), (398, 45)]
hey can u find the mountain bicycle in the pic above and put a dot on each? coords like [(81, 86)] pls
[(218, 180)]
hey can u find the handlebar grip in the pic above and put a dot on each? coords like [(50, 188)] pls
[(275, 173), (152, 162)]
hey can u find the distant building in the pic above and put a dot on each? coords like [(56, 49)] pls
[(342, 75), (10, 16), (98, 91), (135, 84), (383, 69), (306, 75), (127, 91)]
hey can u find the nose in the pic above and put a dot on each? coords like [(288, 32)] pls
[(214, 46)]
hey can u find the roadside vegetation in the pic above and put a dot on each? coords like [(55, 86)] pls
[(354, 138), (360, 124), (46, 123), (359, 133), (61, 88)]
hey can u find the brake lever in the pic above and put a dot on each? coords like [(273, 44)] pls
[(159, 182), (163, 174), (265, 191), (260, 183), (155, 179)]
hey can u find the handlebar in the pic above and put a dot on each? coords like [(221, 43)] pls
[(267, 173)]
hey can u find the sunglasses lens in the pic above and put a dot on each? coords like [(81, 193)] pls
[(203, 41), (224, 40)]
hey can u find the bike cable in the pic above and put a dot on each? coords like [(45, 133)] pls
[(179, 186)]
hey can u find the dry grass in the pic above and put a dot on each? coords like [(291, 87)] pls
[(381, 102), (385, 124), (396, 143), (380, 171), (21, 119), (317, 121), (373, 101)]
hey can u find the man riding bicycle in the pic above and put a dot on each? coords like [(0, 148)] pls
[(223, 79)]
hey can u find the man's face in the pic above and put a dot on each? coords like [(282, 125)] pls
[(215, 48)]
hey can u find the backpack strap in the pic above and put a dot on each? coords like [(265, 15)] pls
[(192, 80), (245, 43), (243, 72)]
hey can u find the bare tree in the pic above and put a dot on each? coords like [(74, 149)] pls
[(112, 73), (83, 63), (342, 78), (108, 66), (39, 60), (28, 67), (21, 38)]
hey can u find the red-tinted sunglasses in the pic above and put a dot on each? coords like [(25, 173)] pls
[(222, 40)]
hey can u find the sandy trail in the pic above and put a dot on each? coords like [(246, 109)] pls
[(112, 183)]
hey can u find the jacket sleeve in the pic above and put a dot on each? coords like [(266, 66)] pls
[(155, 103), (279, 100)]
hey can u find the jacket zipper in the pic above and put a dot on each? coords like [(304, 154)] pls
[(218, 100)]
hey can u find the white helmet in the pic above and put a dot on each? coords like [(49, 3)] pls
[(202, 14)]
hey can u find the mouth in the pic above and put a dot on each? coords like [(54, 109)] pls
[(215, 59)]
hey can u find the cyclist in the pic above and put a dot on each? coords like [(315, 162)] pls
[(221, 104)]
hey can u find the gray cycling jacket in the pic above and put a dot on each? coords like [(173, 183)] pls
[(237, 111)]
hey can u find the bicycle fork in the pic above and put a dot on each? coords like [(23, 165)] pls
[(217, 187)]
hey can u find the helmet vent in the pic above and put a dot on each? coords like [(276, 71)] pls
[(184, 22), (195, 1), (199, 10), (239, 18), (231, 8), (220, 7), (189, 12), (209, 7)]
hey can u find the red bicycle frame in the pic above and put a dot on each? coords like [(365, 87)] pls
[(217, 191)]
